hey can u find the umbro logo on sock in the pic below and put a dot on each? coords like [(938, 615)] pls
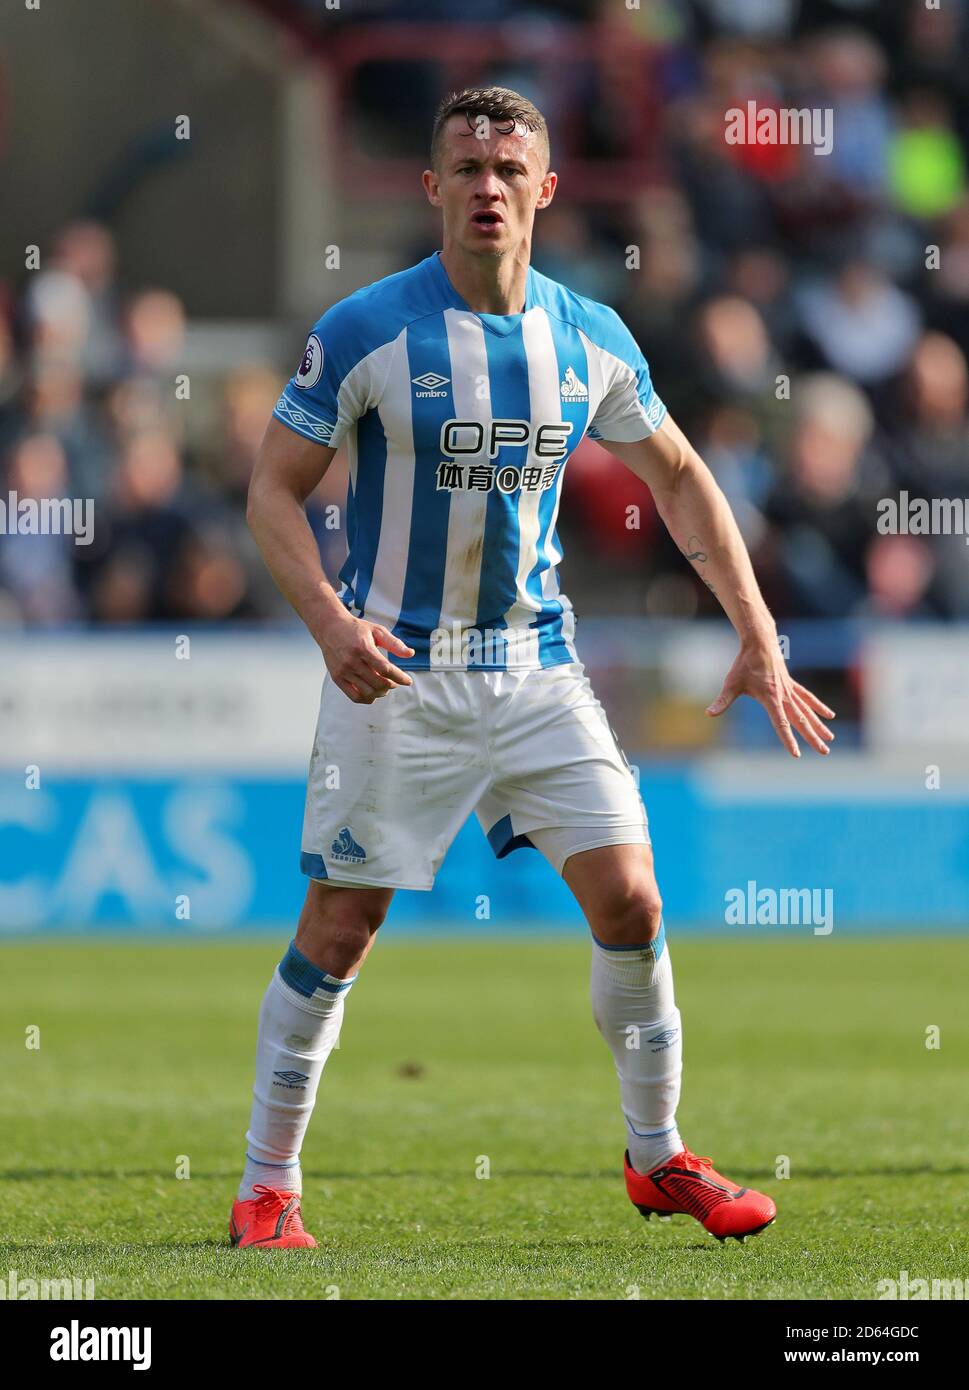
[(664, 1040), (291, 1080), (346, 850)]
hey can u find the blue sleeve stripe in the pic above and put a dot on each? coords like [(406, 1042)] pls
[(303, 421)]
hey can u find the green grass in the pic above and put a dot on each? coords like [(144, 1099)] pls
[(452, 1050)]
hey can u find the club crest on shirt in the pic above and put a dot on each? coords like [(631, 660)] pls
[(311, 367), (572, 387)]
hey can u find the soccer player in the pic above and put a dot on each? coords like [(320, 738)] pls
[(460, 387)]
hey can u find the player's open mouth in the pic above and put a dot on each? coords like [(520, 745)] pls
[(487, 219)]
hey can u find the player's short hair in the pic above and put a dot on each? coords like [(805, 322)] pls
[(500, 105)]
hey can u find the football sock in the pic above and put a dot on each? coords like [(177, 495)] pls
[(299, 1024), (634, 1010)]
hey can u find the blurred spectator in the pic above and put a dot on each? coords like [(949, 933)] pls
[(899, 570), (929, 450), (565, 249), (929, 52), (761, 275), (36, 570), (927, 168), (141, 405), (209, 583), (55, 402), (928, 443), (756, 19), (730, 208), (860, 323), (823, 505), (70, 307), (653, 295), (155, 332), (86, 251), (11, 383), (732, 444), (57, 309), (735, 354), (248, 397), (143, 529), (849, 72), (947, 278)]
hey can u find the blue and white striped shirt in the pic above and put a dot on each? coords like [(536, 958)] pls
[(458, 428)]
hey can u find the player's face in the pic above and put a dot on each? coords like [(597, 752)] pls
[(489, 184)]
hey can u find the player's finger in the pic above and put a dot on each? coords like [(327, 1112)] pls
[(372, 670), (349, 690), (387, 670), (805, 721), (724, 700), (365, 684), (818, 725), (365, 675), (383, 637), (367, 687), (812, 701), (782, 726)]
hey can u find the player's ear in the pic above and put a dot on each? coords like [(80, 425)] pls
[(549, 184), (431, 187)]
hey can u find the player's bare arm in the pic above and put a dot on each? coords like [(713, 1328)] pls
[(287, 471), (698, 517)]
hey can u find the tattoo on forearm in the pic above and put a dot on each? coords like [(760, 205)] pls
[(695, 553)]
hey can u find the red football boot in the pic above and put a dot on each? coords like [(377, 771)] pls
[(690, 1184), (272, 1221)]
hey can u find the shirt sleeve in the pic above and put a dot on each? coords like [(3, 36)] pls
[(629, 409), (331, 387)]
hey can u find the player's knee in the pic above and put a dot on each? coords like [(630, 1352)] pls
[(652, 912), (337, 925), (350, 909), (336, 947), (631, 915)]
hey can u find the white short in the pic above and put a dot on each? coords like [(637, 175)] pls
[(530, 751)]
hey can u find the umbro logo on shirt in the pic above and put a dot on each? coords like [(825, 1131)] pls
[(430, 384), (572, 387)]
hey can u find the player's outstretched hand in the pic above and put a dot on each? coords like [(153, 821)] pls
[(352, 651), (760, 671)]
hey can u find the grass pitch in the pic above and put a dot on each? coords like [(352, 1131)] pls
[(457, 1052)]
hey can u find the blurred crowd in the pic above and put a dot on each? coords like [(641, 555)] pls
[(93, 400), (806, 319)]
